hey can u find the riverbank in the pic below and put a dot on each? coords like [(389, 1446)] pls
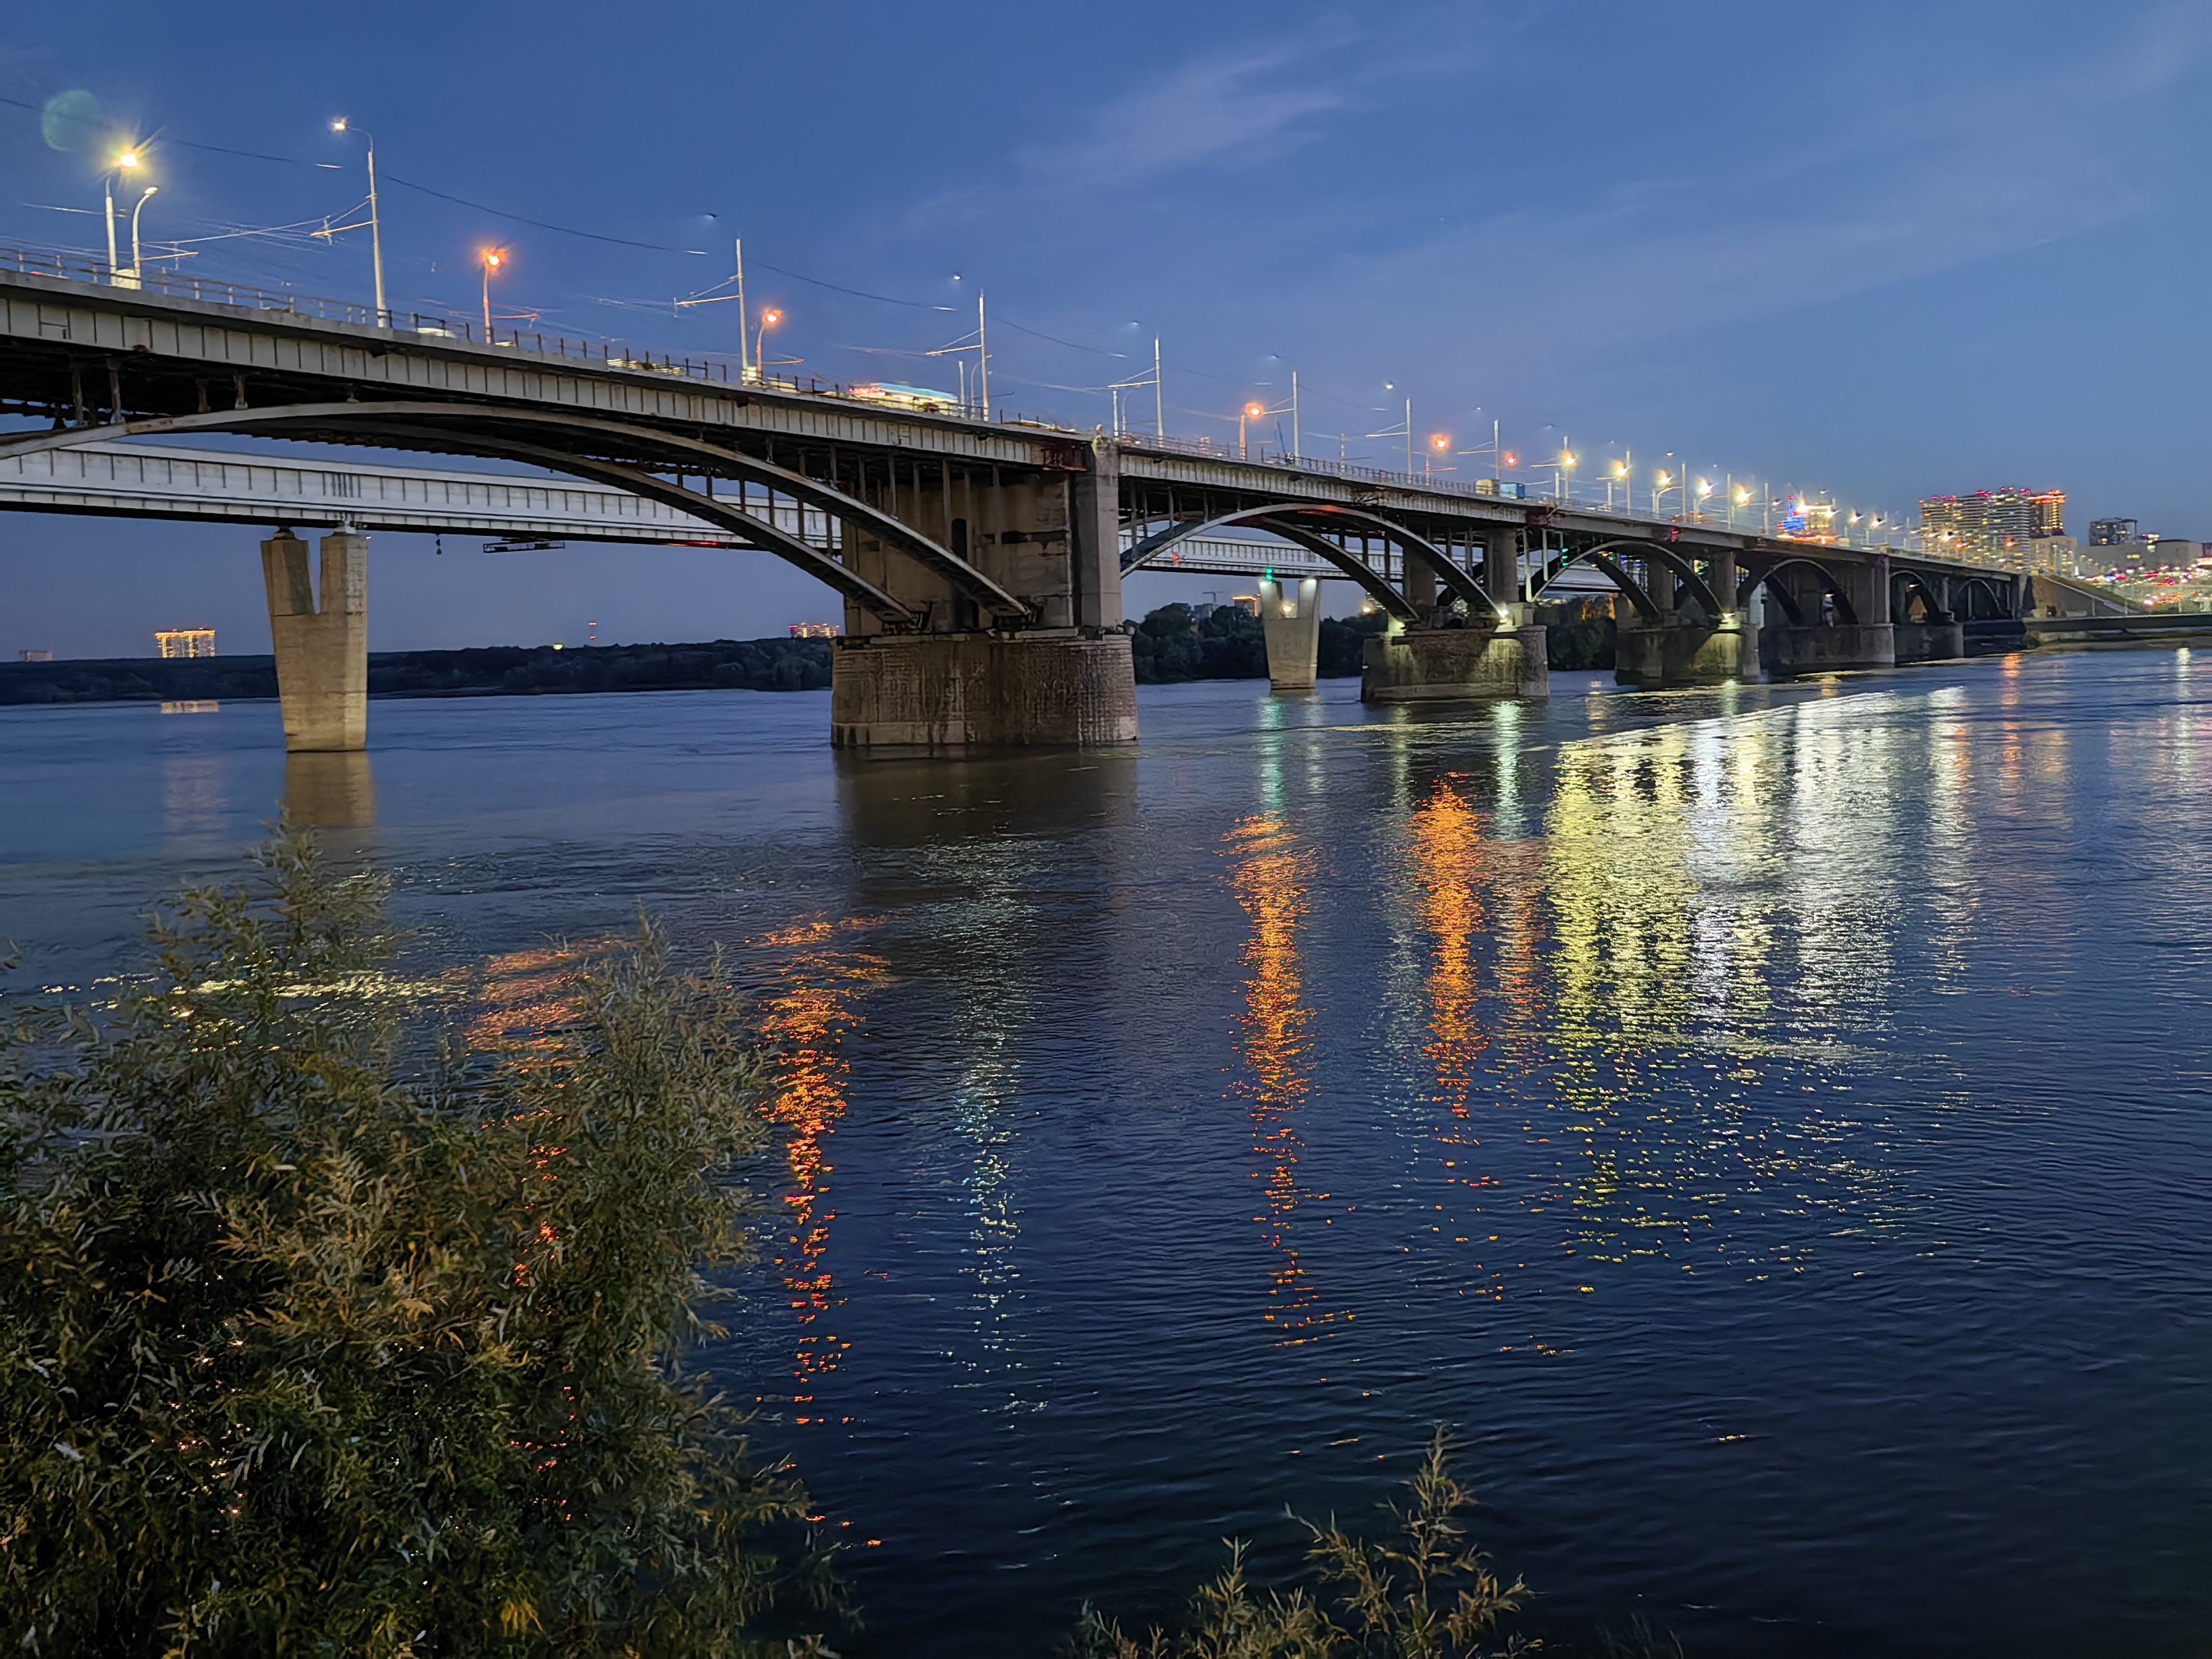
[(773, 665)]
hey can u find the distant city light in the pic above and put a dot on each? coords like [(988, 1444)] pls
[(185, 642)]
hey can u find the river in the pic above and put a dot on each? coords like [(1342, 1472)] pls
[(1767, 1125)]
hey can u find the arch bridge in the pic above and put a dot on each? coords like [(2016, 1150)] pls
[(980, 563)]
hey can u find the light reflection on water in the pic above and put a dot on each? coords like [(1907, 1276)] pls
[(1270, 880), (1769, 1125), (805, 1019)]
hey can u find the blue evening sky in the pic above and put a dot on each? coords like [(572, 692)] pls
[(1879, 249)]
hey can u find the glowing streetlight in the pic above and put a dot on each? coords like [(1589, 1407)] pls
[(375, 221), (126, 160), (1249, 412), (769, 319), (493, 259)]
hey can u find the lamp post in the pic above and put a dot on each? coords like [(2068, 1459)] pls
[(375, 223), (769, 319), (124, 163), (134, 212), (1249, 412), (1438, 445), (493, 259)]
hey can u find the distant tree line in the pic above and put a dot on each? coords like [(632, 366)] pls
[(1175, 643), (773, 665)]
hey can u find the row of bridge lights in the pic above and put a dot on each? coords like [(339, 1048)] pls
[(1693, 491)]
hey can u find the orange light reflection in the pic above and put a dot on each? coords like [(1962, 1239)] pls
[(1271, 885)]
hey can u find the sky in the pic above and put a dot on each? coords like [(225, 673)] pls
[(1881, 250)]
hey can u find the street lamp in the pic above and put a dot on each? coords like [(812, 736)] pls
[(1249, 412), (769, 319), (1563, 473), (134, 212), (124, 163), (1438, 445), (375, 221), (493, 259)]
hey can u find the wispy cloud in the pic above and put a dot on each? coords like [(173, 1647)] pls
[(1212, 113)]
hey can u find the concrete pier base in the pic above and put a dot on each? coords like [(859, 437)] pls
[(1680, 653), (918, 691), (1930, 641), (1438, 665), (1827, 648), (1290, 619), (322, 653)]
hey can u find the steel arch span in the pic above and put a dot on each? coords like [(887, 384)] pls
[(1603, 556)]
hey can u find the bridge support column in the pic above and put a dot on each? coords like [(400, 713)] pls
[(1290, 620), (1940, 640), (1441, 665), (322, 654), (1828, 647), (1654, 655), (962, 690)]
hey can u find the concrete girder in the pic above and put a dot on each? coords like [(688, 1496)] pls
[(471, 438), (1845, 611), (1606, 562), (1645, 604), (1911, 584)]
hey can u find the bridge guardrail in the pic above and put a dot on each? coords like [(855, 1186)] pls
[(611, 354)]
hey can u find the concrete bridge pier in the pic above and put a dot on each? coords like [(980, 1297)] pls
[(322, 651), (1678, 652), (1499, 656), (1062, 676), (1290, 619), (1844, 627)]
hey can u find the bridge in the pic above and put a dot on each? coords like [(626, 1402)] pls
[(980, 563)]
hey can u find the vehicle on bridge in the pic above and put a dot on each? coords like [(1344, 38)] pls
[(918, 399)]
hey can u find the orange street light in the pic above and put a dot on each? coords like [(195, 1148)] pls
[(769, 319), (493, 259), (1249, 412)]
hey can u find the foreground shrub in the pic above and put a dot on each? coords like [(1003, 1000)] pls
[(1427, 1593), (299, 1356)]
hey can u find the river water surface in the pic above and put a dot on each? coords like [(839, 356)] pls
[(1768, 1126)]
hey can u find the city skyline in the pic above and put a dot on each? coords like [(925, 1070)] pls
[(1643, 284)]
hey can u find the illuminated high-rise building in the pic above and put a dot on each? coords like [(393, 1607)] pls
[(2114, 532), (185, 641), (1994, 526)]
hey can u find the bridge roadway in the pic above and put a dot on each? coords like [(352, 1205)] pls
[(980, 563)]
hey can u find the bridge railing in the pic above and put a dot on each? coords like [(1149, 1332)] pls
[(1895, 538), (611, 354)]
